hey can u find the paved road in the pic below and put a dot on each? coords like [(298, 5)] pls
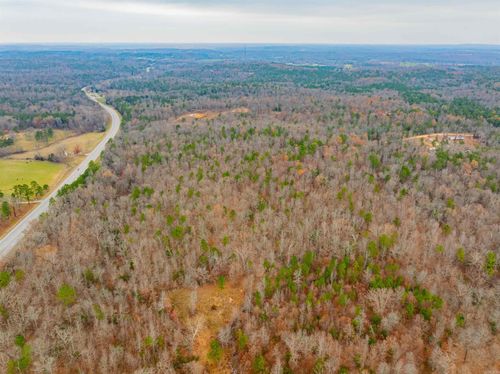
[(9, 241)]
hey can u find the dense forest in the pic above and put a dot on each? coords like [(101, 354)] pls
[(256, 216), (43, 90)]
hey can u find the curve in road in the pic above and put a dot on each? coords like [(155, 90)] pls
[(14, 236)]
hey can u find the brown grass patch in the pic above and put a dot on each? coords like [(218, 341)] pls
[(47, 252), (25, 141), (72, 146), (215, 308), (208, 115)]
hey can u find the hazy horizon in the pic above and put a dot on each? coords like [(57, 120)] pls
[(146, 44), (277, 22)]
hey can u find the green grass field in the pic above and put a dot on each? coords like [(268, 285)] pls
[(14, 172)]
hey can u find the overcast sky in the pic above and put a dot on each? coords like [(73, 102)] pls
[(258, 21)]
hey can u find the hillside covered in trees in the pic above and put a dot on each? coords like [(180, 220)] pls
[(257, 216)]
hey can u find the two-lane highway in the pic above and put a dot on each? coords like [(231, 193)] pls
[(13, 237)]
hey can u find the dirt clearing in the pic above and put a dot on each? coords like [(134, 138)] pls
[(204, 312), (431, 141), (208, 115)]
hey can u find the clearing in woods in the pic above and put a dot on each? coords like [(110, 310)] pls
[(25, 141), (432, 141), (74, 146), (211, 114), (204, 314)]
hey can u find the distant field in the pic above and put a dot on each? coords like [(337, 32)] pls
[(14, 172), (85, 143), (25, 140)]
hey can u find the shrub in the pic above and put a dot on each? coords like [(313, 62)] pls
[(404, 173), (19, 340), (410, 310), (216, 351), (23, 363), (19, 275), (343, 299), (388, 282), (5, 210), (4, 279), (461, 255), (259, 365), (99, 314), (66, 294), (367, 216), (242, 339), (426, 302), (177, 232), (372, 249), (442, 158), (257, 298), (446, 229), (4, 312), (490, 263), (450, 203), (385, 241), (460, 320), (89, 277), (221, 281), (374, 161)]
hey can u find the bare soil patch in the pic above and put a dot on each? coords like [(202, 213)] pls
[(431, 141), (215, 308), (208, 115)]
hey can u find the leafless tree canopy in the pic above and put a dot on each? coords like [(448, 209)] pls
[(355, 249)]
